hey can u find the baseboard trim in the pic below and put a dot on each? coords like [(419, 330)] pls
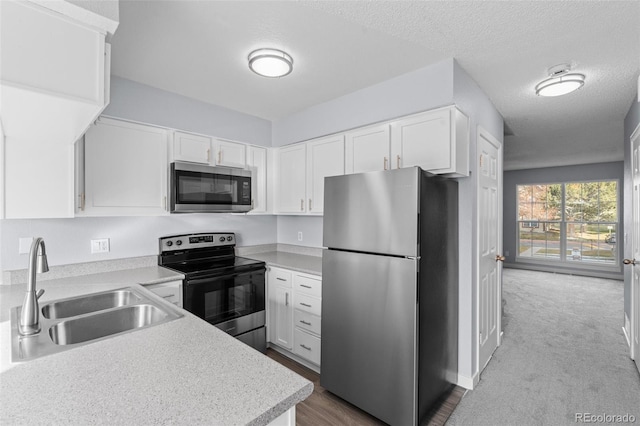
[(626, 330), (468, 382)]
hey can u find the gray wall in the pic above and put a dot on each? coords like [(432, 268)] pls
[(631, 121), (416, 91), (146, 104), (585, 172)]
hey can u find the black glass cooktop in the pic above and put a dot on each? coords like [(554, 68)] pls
[(215, 266)]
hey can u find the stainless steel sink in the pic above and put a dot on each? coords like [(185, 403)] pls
[(74, 306), (78, 321), (105, 323)]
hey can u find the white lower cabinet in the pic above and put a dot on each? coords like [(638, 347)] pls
[(170, 291), (294, 322)]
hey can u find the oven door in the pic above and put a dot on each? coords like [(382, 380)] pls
[(199, 188), (233, 302)]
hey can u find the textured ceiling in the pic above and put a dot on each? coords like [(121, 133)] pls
[(199, 48)]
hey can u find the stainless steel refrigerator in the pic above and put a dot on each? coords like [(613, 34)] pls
[(390, 291)]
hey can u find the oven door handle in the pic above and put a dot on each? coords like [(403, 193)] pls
[(198, 281)]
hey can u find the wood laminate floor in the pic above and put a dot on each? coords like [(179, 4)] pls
[(323, 408)]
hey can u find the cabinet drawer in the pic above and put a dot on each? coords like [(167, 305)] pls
[(281, 277), (307, 321), (312, 305), (308, 285), (306, 346), (171, 292)]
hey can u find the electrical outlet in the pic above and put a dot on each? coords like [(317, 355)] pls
[(100, 246), (24, 246), (300, 236)]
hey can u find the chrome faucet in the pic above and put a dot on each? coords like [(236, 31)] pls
[(30, 315)]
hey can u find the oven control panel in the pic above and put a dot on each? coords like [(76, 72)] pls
[(194, 241)]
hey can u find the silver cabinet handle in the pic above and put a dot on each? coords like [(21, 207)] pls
[(220, 157), (304, 304), (305, 347), (301, 205), (305, 286), (309, 204), (385, 162), (304, 322), (168, 296), (280, 279), (398, 162), (208, 155), (286, 299)]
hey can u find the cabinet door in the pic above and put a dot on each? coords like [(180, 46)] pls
[(325, 157), (367, 149), (125, 169), (193, 148), (437, 141), (423, 140), (257, 163), (292, 179), (230, 154), (283, 318)]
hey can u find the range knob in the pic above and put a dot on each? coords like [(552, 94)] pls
[(229, 238), (169, 243), (222, 239), (179, 242)]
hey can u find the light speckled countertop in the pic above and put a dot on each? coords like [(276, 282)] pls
[(294, 261), (181, 372)]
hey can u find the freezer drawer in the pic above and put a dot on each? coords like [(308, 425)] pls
[(369, 341), (374, 212)]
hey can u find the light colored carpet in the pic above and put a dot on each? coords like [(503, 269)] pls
[(563, 353)]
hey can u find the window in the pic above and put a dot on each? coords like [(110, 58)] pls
[(572, 222)]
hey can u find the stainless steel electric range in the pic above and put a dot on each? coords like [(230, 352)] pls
[(223, 289)]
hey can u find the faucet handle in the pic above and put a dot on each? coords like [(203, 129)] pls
[(39, 293)]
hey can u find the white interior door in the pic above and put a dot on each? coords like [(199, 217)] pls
[(635, 249), (489, 157)]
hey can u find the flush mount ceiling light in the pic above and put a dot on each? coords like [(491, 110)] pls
[(270, 62), (560, 81)]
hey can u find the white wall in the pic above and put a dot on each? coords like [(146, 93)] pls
[(310, 226), (476, 105), (68, 240)]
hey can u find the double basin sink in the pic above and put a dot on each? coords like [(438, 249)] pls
[(76, 321)]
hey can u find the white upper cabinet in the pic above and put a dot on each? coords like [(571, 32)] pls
[(257, 163), (325, 157), (292, 179), (230, 154), (367, 149), (437, 141), (125, 169), (192, 148), (55, 72)]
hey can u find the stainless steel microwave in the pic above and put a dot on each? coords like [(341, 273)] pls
[(197, 188)]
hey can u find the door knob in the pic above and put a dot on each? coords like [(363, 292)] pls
[(500, 258), (629, 261)]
